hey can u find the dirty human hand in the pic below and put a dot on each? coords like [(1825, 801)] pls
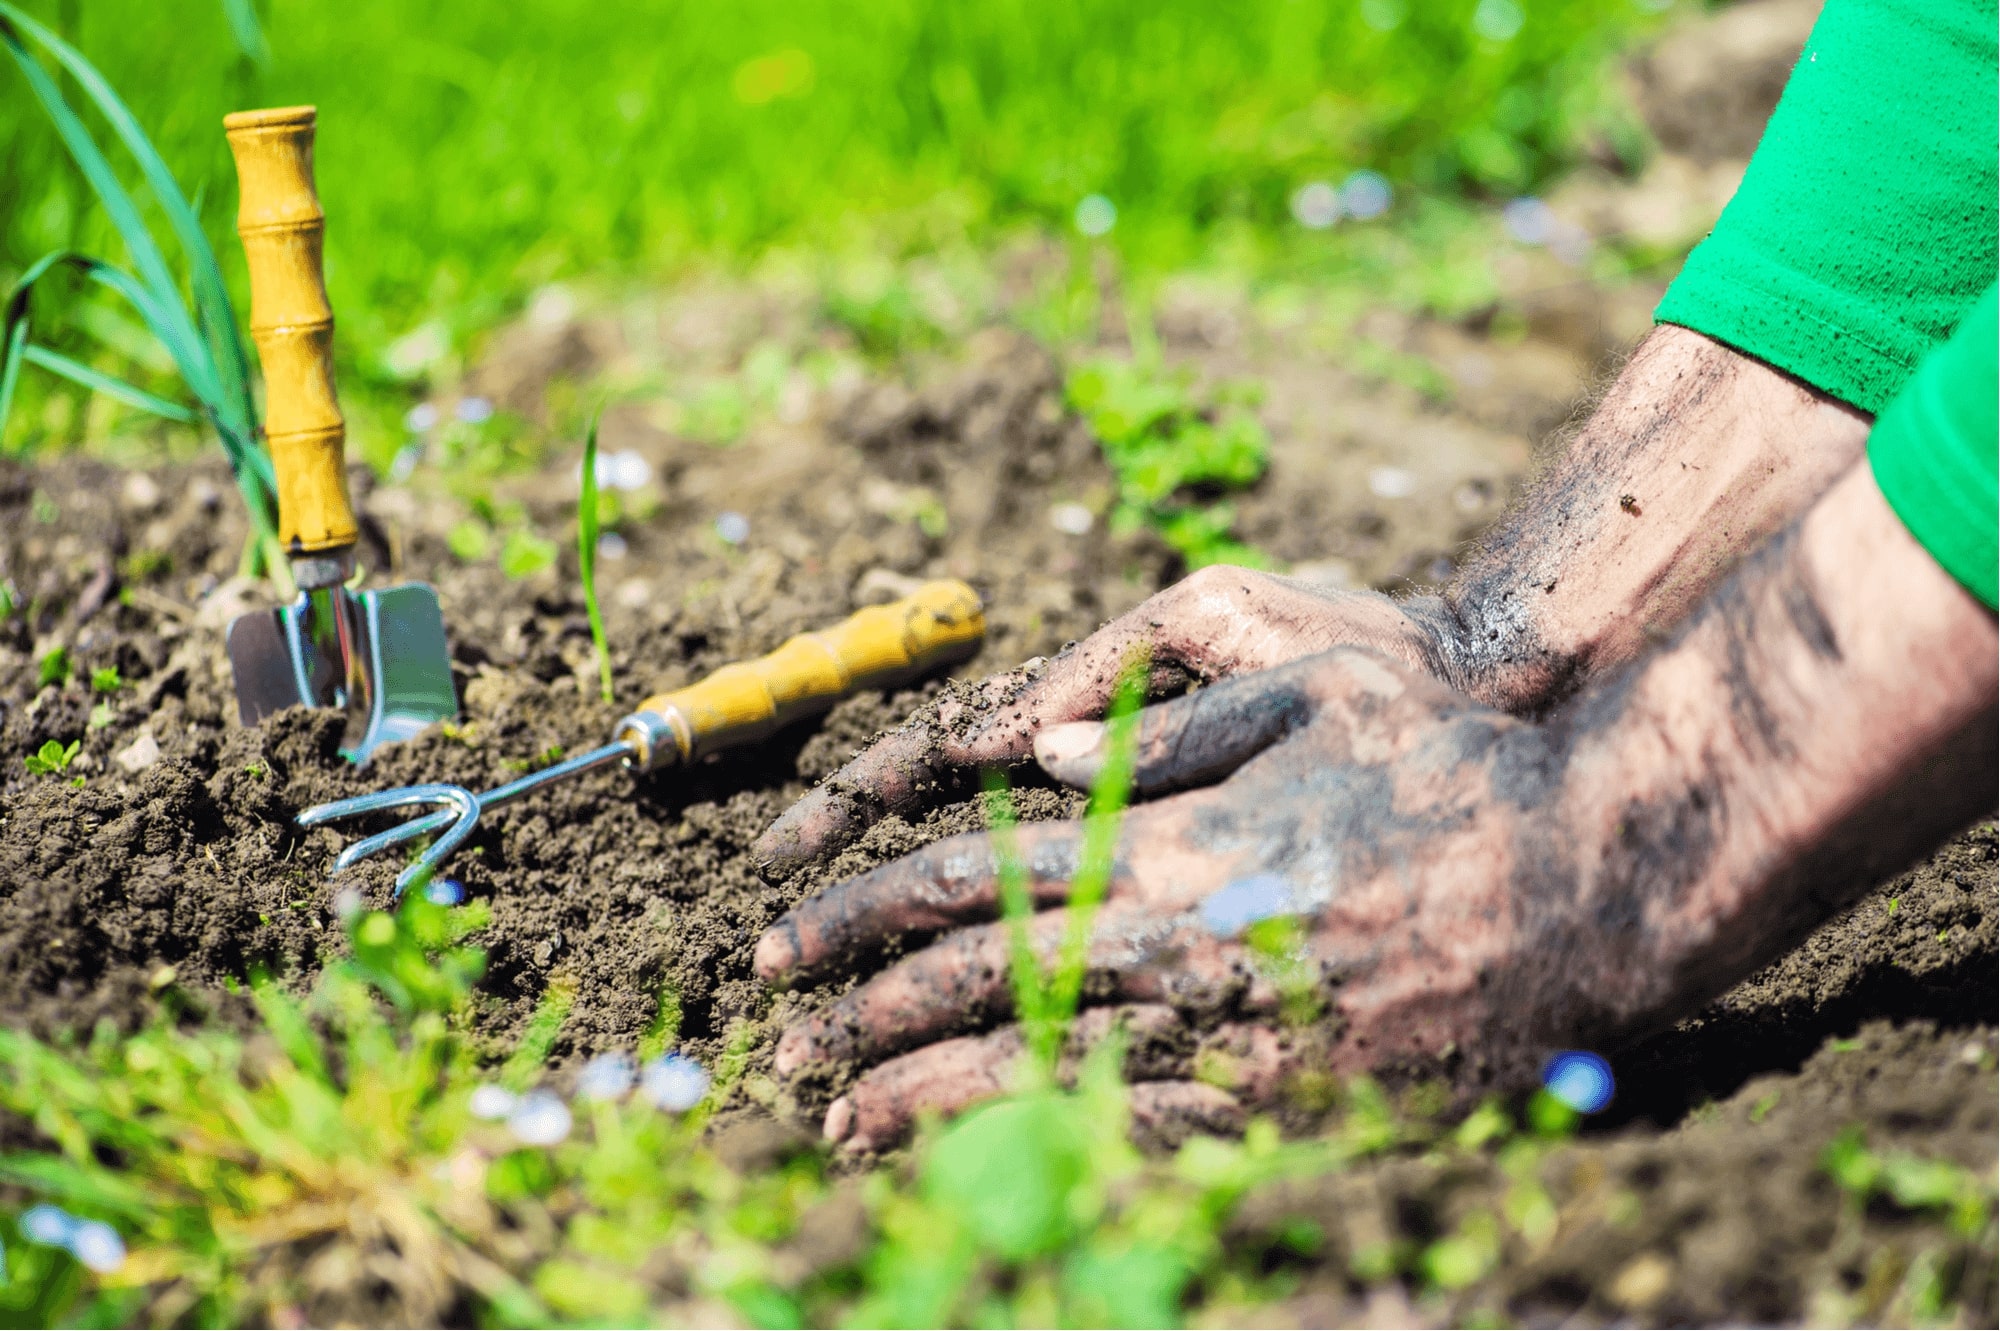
[(1696, 455), (1472, 889)]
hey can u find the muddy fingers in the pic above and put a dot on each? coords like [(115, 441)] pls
[(1189, 741), (1242, 1067), (951, 1076), (1215, 623), (954, 881)]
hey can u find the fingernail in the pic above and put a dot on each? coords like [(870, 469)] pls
[(1071, 752), (839, 1120), (775, 956)]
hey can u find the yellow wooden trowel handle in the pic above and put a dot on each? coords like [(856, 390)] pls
[(282, 227), (881, 647)]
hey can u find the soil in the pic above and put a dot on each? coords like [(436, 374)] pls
[(164, 860)]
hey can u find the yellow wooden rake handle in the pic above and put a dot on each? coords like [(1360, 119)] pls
[(282, 227), (884, 646)]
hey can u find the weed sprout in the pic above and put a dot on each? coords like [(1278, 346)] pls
[(586, 553)]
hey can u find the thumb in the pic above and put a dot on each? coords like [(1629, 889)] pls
[(1194, 740)]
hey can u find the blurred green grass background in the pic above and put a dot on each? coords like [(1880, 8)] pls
[(469, 153)]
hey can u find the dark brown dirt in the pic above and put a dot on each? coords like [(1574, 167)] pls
[(626, 887)]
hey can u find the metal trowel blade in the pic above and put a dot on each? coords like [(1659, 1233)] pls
[(403, 666)]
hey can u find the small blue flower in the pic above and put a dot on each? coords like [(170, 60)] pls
[(733, 527), (445, 892), (606, 1077), (1366, 194), (674, 1083), (492, 1103), (540, 1119), (98, 1246), (1580, 1079), (50, 1226)]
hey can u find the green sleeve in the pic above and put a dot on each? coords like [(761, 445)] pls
[(1936, 451), (1865, 226)]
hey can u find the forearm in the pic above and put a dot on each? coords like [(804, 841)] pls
[(1695, 456), (1827, 716)]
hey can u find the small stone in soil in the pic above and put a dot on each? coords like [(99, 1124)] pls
[(1071, 519)]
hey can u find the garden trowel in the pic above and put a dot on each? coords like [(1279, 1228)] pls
[(379, 655)]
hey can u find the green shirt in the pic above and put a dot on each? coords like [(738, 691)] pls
[(1861, 238), (1935, 453)]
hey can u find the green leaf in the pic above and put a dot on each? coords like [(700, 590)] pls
[(248, 32), (586, 553), (54, 668), (52, 757), (525, 554), (1136, 1286), (469, 540), (1008, 1170), (524, 1066), (206, 348), (99, 382), (217, 315)]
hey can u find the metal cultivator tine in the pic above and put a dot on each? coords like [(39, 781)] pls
[(459, 814)]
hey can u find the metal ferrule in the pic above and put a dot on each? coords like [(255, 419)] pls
[(328, 568), (660, 739)]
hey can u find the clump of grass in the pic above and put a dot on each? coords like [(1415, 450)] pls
[(1174, 452), (586, 553), (202, 341)]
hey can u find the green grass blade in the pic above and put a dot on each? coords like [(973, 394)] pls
[(1109, 794), (248, 32), (525, 1065), (217, 315), (1031, 995), (11, 348), (586, 552), (83, 150), (98, 382)]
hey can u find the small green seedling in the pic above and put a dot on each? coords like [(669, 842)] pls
[(586, 553), (1169, 447), (54, 668), (106, 679), (9, 598), (524, 554), (53, 757)]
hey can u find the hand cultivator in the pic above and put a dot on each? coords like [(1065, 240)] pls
[(881, 647)]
